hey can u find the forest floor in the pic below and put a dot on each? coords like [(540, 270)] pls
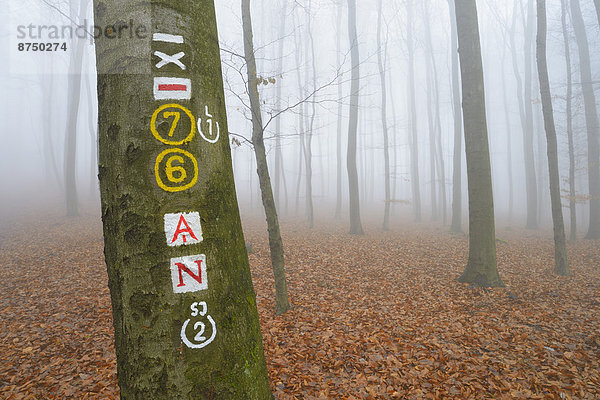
[(379, 316)]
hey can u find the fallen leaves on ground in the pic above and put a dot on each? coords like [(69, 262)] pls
[(378, 316)]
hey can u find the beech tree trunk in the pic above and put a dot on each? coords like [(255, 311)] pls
[(184, 308), (569, 112), (414, 146), (275, 241), (481, 267), (456, 225), (355, 222), (591, 120), (386, 149), (560, 251), (338, 201)]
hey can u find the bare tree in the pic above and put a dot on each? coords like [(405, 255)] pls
[(456, 225), (386, 150), (275, 241), (355, 222), (414, 147), (481, 267), (560, 251), (569, 112), (591, 119)]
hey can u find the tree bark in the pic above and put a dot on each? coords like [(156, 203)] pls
[(560, 251), (481, 267), (202, 339), (355, 222), (591, 120), (338, 201), (73, 103), (278, 156), (386, 149), (456, 225), (275, 241), (414, 147), (569, 112)]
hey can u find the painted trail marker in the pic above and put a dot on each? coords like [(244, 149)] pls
[(183, 229), (172, 88), (199, 339), (167, 38), (188, 274)]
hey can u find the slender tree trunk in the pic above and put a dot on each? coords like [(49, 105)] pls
[(278, 156), (481, 267), (386, 150), (338, 201), (275, 241), (311, 124), (507, 120), (569, 112), (186, 327), (530, 175), (93, 139), (432, 148), (560, 251), (414, 148), (73, 103), (591, 120), (597, 5), (355, 222), (456, 225)]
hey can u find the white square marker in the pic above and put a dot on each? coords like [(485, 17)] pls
[(183, 229), (188, 274)]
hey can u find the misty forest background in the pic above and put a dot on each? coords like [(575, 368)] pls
[(412, 330)]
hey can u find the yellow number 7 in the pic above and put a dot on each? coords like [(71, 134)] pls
[(170, 114)]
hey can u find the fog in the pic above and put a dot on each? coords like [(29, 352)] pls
[(35, 98)]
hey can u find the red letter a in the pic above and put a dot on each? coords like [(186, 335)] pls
[(180, 230)]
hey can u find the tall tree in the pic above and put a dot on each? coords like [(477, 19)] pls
[(311, 121), (481, 267), (591, 119), (569, 112), (414, 146), (386, 146), (338, 201), (456, 225), (279, 171), (275, 241), (530, 175), (73, 103), (186, 326), (355, 222), (560, 251)]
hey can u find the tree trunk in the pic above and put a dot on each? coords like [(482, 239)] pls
[(278, 156), (338, 201), (414, 147), (508, 140), (530, 175), (309, 135), (186, 327), (569, 112), (591, 120), (275, 241), (481, 267), (597, 5), (355, 222), (456, 225), (560, 251), (386, 149), (73, 103)]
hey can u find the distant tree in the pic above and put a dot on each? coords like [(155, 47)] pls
[(186, 324), (338, 201), (275, 241), (414, 146), (560, 251), (384, 124), (591, 119), (481, 267), (569, 112), (355, 222), (456, 225)]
